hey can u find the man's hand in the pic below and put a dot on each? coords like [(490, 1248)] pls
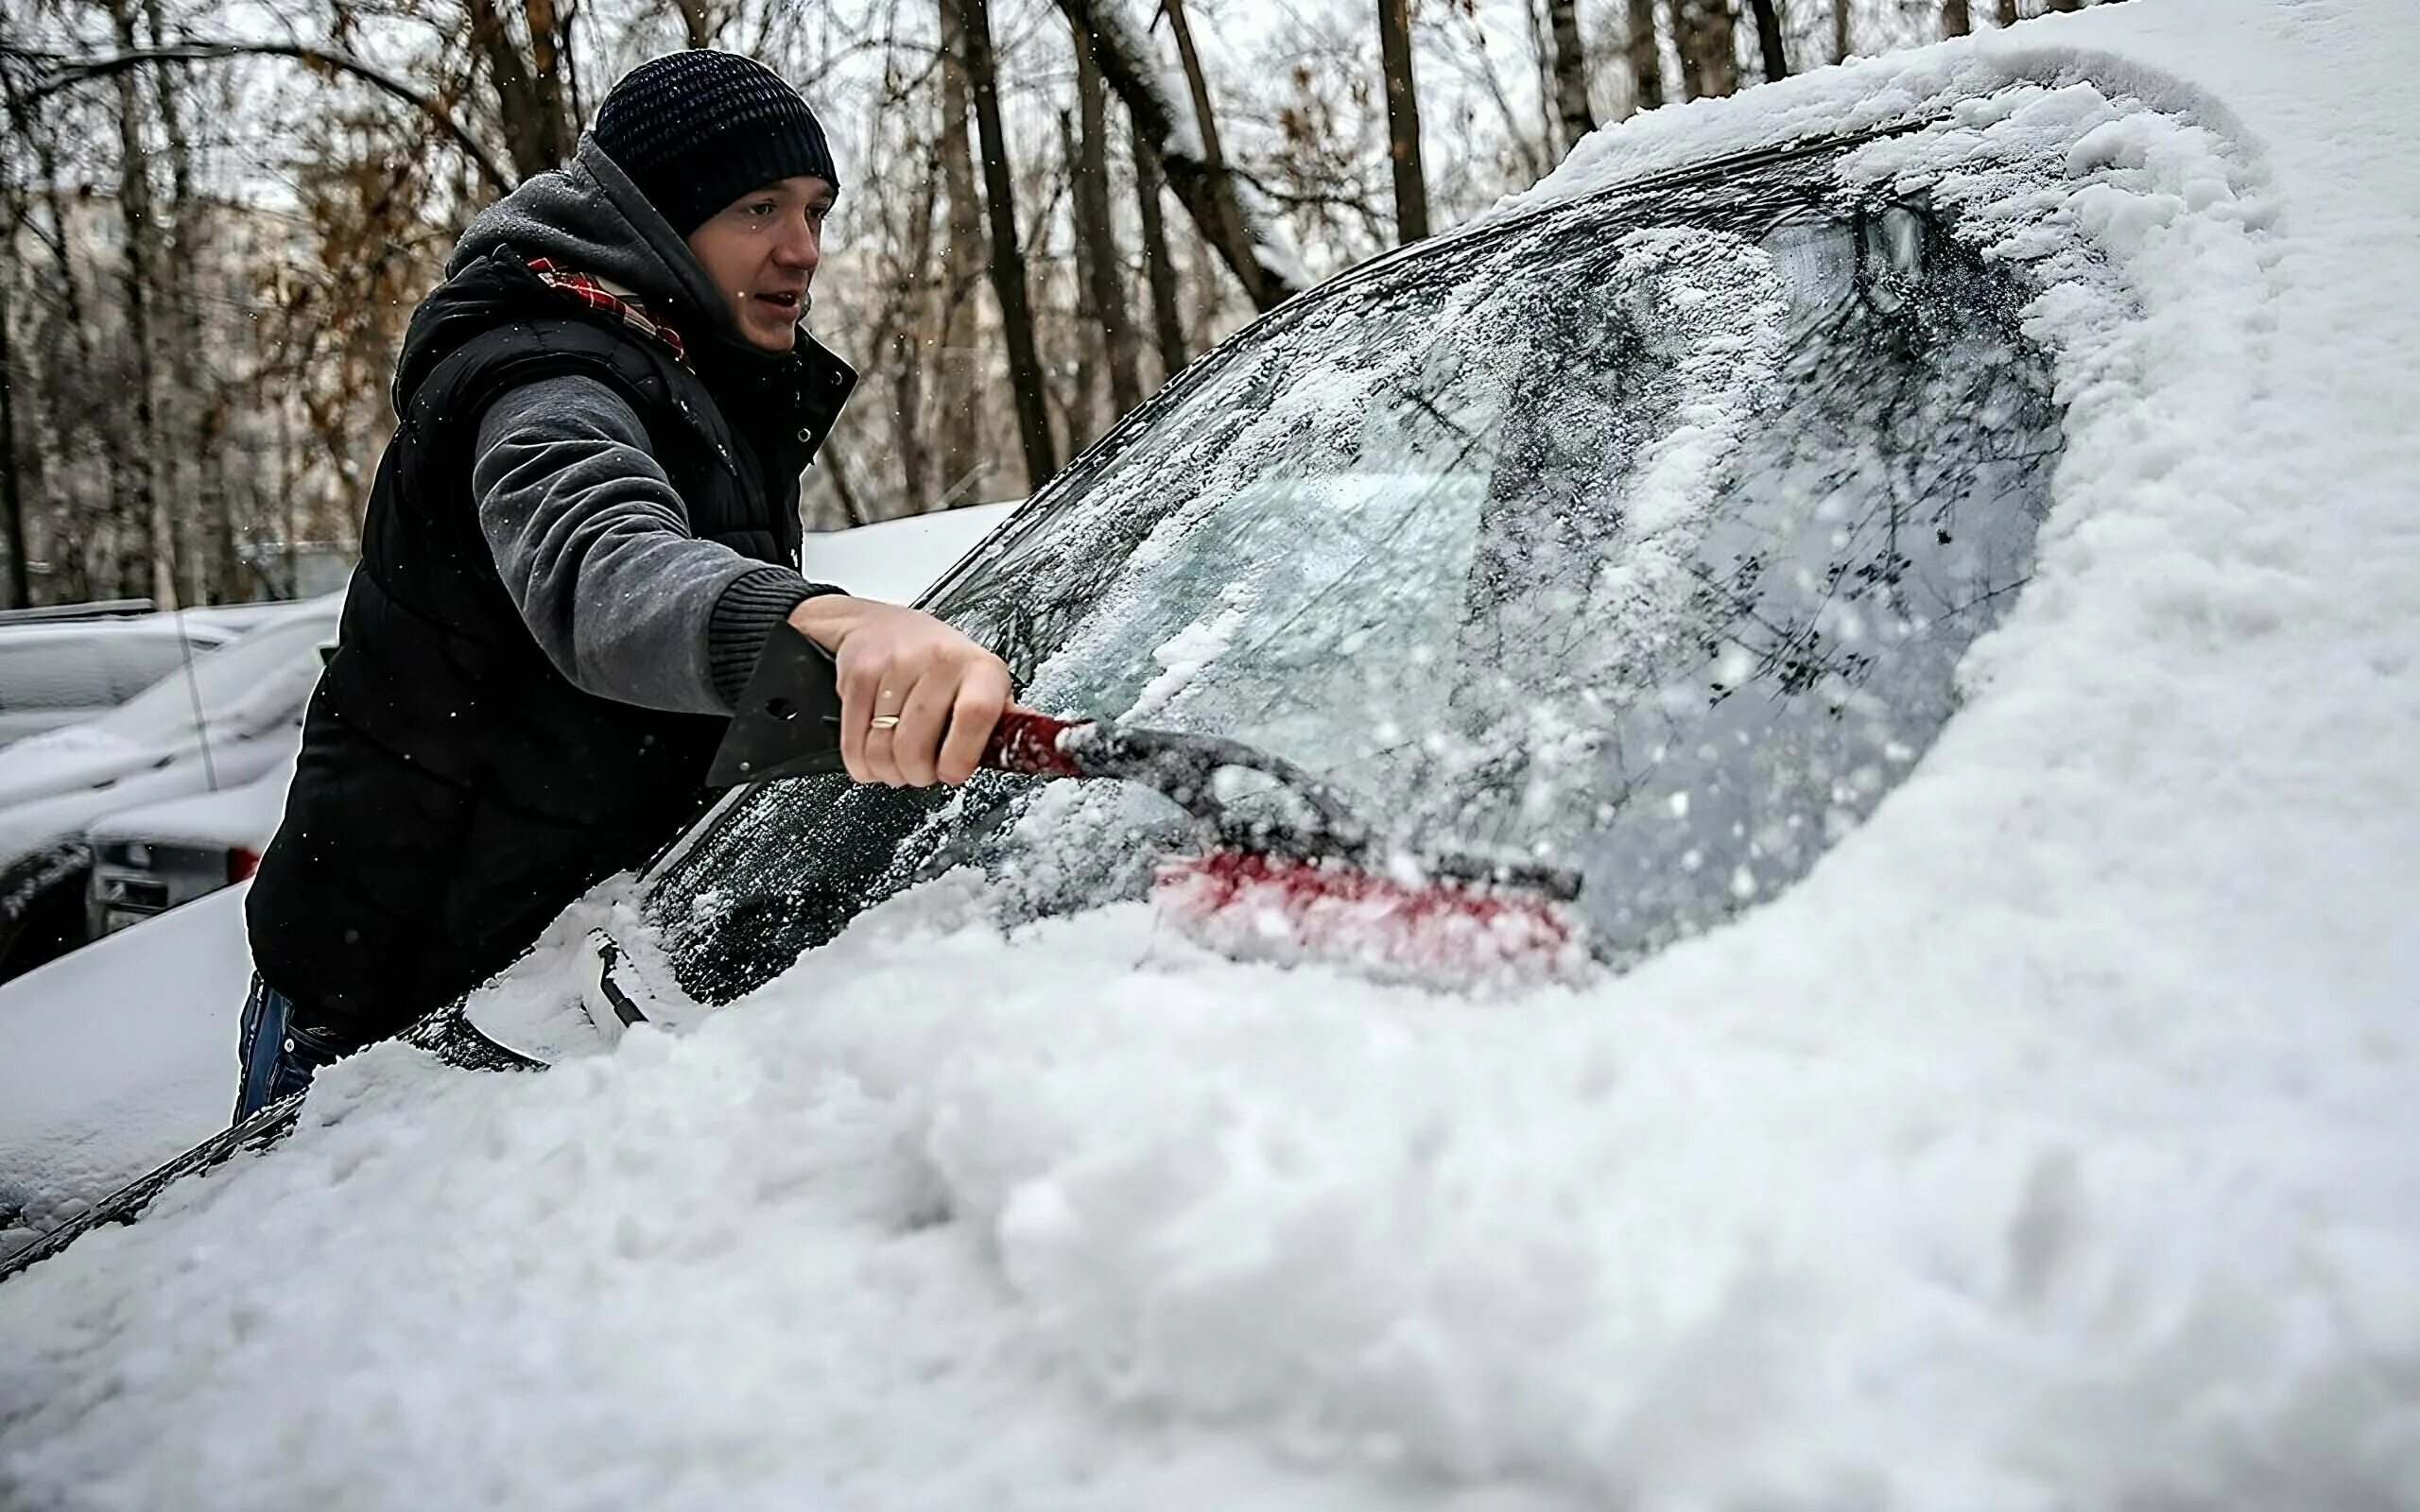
[(917, 699)]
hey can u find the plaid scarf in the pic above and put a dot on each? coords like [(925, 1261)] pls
[(596, 296)]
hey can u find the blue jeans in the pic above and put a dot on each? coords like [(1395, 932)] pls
[(278, 1059)]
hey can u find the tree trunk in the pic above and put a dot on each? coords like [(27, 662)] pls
[(1955, 20), (958, 387), (1078, 399), (2067, 5), (529, 109), (1768, 38), (2007, 13), (12, 503), (204, 528), (1202, 185), (1227, 230), (907, 314), (1570, 72), (98, 535), (1106, 272), (1403, 121), (142, 261), (551, 81), (1840, 30), (1646, 59), (1007, 254), (1167, 320), (698, 22), (1708, 48)]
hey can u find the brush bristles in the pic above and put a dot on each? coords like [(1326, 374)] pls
[(1433, 930)]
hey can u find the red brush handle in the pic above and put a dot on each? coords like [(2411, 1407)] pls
[(1027, 742)]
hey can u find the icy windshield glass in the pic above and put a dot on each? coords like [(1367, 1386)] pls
[(1642, 539)]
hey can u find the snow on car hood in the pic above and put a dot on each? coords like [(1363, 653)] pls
[(2052, 1143), (245, 815)]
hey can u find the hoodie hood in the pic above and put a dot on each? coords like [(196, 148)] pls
[(588, 218)]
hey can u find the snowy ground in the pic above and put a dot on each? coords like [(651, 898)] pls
[(2053, 1145)]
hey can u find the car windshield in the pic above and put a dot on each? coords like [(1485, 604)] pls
[(1643, 537)]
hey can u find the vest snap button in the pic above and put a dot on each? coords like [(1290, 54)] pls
[(806, 435)]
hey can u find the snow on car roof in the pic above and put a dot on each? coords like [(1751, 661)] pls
[(2054, 1142), (894, 561)]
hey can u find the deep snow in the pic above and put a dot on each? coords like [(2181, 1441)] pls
[(2053, 1145)]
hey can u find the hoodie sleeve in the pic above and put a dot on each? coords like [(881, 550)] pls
[(593, 546)]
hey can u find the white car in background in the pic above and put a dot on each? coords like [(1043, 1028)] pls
[(230, 718), (57, 672), (157, 856)]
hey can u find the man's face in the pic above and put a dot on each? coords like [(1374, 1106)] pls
[(761, 250)]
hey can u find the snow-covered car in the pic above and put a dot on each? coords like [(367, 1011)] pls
[(55, 673), (1930, 544), (157, 856), (230, 717), (896, 559)]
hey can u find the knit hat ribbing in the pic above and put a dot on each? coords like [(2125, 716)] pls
[(695, 130)]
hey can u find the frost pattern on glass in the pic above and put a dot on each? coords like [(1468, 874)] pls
[(1645, 537)]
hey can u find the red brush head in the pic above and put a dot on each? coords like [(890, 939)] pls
[(1427, 928)]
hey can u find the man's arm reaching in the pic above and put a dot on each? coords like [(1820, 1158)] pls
[(594, 547)]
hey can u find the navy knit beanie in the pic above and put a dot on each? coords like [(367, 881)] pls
[(695, 130)]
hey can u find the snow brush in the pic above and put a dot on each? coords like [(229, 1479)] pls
[(1326, 886)]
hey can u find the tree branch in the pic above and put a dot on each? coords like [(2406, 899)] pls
[(64, 73)]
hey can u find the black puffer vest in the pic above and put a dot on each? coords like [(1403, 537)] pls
[(455, 791)]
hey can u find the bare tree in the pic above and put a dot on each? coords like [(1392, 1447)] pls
[(1768, 38), (1007, 253), (531, 94), (1403, 120), (702, 21), (1840, 30), (958, 387), (1955, 19), (1646, 59), (13, 499), (200, 525), (1159, 268), (1708, 43), (1203, 185), (1104, 264), (64, 73), (1228, 232), (1571, 71), (2006, 15), (142, 277)]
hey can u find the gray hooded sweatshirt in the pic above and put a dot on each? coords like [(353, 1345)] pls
[(592, 542)]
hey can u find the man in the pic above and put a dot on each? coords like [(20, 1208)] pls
[(581, 536)]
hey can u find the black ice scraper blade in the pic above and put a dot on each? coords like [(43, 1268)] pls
[(789, 721)]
